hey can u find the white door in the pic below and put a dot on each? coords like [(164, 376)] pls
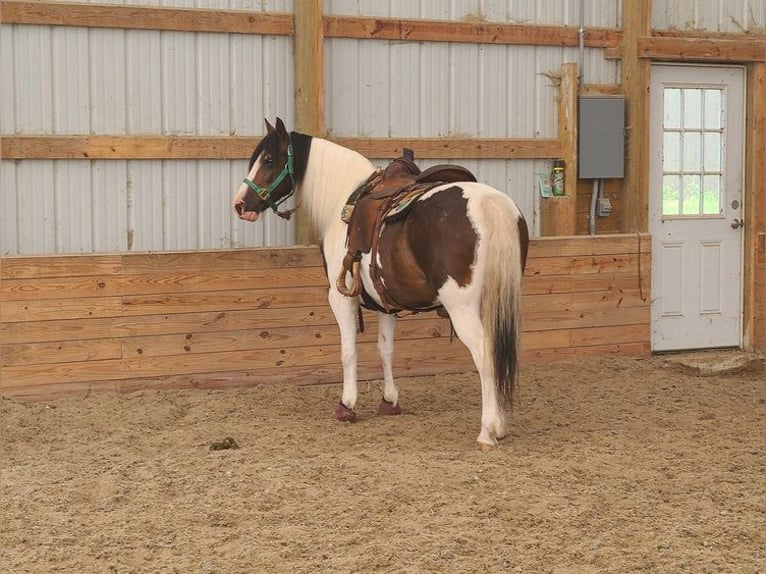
[(697, 116)]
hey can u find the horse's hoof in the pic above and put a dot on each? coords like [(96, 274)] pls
[(484, 447), (344, 414), (386, 408)]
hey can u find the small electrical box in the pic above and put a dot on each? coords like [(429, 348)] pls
[(601, 137)]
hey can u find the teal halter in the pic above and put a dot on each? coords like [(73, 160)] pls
[(265, 192)]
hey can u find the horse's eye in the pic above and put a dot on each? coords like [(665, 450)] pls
[(268, 160)]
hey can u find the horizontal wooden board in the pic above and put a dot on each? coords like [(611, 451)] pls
[(52, 309), (472, 32), (158, 283), (147, 18), (416, 354), (744, 48), (46, 266), (60, 352), (586, 264), (454, 147), (81, 146)]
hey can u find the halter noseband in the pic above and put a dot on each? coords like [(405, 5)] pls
[(265, 192)]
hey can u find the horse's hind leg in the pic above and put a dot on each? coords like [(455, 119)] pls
[(468, 326), (345, 310), (390, 403)]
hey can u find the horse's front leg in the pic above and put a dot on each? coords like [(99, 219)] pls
[(345, 310), (390, 403)]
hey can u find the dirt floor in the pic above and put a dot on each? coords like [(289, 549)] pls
[(612, 465)]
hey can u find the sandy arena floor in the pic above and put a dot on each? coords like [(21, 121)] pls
[(612, 465)]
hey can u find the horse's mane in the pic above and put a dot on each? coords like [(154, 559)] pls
[(332, 173)]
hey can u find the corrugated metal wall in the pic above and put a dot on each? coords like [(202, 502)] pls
[(64, 80), (734, 16), (68, 80)]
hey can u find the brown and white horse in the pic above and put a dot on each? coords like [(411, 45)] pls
[(462, 246)]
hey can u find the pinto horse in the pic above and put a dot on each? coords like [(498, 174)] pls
[(461, 248)]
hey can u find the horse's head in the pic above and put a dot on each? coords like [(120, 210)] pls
[(271, 179)]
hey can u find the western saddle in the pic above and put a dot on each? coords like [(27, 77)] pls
[(388, 194)]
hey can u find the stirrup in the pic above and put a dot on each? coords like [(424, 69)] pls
[(356, 283)]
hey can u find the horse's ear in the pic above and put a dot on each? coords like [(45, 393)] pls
[(281, 126), (269, 127)]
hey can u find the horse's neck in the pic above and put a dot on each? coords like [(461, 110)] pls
[(332, 173)]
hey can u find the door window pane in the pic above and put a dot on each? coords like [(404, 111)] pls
[(712, 151), (692, 151), (671, 159), (690, 200), (692, 108), (713, 110), (671, 197), (672, 107), (711, 195)]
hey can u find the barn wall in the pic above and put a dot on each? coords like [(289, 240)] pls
[(72, 80), (260, 316)]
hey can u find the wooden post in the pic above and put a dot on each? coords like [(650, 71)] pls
[(755, 209), (557, 214), (309, 86), (636, 22)]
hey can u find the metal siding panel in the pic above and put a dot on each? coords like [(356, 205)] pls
[(213, 84), (35, 209), (214, 192), (9, 242), (73, 225), (246, 96), (33, 80), (180, 211), (109, 205), (493, 91), (522, 95), (342, 79), (376, 102), (179, 83), (7, 88), (143, 68), (402, 111), (434, 84), (107, 66), (464, 79), (145, 201), (71, 82)]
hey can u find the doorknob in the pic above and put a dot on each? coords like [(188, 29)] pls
[(737, 223)]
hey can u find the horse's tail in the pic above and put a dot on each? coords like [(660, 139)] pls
[(504, 241)]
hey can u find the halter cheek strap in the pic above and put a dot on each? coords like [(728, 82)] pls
[(265, 192)]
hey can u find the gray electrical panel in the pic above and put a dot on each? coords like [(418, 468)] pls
[(601, 135)]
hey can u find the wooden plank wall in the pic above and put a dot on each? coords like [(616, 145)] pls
[(259, 316)]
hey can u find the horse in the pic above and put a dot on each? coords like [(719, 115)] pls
[(460, 248)]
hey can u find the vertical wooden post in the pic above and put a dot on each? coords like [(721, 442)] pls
[(558, 214), (755, 208), (309, 85), (636, 22)]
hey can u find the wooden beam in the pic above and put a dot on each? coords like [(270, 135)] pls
[(454, 148), (126, 147), (557, 214), (636, 21), (240, 147), (703, 49), (471, 32), (755, 206), (309, 87), (147, 18)]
